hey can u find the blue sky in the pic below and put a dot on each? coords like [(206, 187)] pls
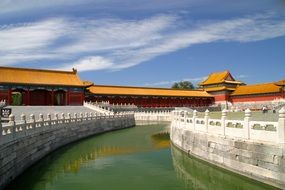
[(146, 42)]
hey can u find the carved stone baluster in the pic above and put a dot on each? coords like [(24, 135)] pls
[(246, 125), (12, 123), (206, 118), (194, 119), (68, 117), (281, 126), (75, 117), (1, 132), (32, 121), (41, 120), (23, 122), (56, 118), (48, 119), (62, 118), (223, 119)]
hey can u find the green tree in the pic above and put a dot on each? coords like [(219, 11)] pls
[(183, 85)]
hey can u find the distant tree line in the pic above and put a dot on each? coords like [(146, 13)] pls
[(183, 85)]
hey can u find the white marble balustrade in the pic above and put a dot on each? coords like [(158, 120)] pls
[(245, 128), (28, 126)]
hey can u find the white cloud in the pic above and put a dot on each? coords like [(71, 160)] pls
[(30, 41), (29, 36), (89, 63), (116, 44), (10, 6)]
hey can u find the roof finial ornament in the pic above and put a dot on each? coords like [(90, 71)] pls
[(74, 70)]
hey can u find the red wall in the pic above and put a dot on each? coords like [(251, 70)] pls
[(254, 98), (4, 95), (39, 97), (221, 97), (153, 101), (76, 98)]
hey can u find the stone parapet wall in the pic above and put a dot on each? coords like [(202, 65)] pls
[(153, 116), (258, 154), (23, 144)]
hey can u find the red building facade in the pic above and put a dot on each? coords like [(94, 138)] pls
[(225, 88), (149, 97), (40, 87)]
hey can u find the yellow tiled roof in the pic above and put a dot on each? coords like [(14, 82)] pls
[(256, 89), (219, 77), (9, 75), (280, 83), (219, 88), (143, 91)]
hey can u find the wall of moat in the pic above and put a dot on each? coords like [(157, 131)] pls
[(254, 149), (24, 143)]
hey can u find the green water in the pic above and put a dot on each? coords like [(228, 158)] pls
[(139, 158)]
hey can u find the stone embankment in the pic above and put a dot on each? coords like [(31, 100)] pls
[(24, 143), (251, 148)]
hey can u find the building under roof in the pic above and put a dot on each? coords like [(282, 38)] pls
[(149, 97), (264, 88), (22, 86)]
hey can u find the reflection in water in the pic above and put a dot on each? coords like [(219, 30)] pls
[(197, 174), (137, 158), (161, 140), (72, 158)]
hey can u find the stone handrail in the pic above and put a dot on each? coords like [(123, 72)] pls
[(26, 127), (153, 115), (247, 129), (97, 108)]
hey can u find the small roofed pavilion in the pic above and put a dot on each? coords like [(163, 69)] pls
[(149, 97), (23, 86), (220, 85)]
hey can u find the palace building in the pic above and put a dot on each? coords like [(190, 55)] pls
[(149, 97), (19, 86), (225, 88), (221, 85)]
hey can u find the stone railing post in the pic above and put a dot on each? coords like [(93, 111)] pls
[(32, 121), (281, 126), (23, 120), (41, 119), (185, 117), (194, 119), (223, 121), (75, 117), (206, 118), (12, 123), (62, 118), (56, 118), (246, 126), (68, 117), (0, 128), (49, 119)]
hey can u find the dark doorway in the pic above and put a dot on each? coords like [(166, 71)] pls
[(59, 97), (19, 97)]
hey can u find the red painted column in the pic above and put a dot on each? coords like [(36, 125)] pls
[(82, 98), (67, 97), (28, 97), (9, 102), (52, 97)]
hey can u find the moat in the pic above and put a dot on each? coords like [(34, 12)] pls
[(136, 158)]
